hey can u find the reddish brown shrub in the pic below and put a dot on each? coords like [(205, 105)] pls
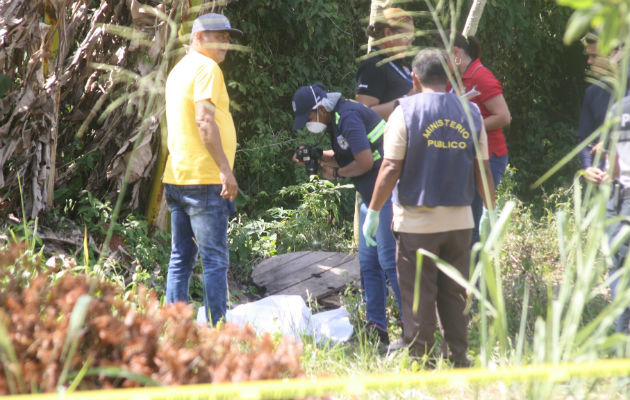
[(137, 335)]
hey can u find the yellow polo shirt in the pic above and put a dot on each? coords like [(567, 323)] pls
[(195, 78)]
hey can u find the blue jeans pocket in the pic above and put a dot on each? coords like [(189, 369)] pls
[(196, 199)]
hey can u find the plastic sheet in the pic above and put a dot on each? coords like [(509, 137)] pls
[(289, 315)]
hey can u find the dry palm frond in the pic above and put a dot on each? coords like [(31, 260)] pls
[(80, 86)]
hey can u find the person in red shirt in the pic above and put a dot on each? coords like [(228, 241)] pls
[(481, 87)]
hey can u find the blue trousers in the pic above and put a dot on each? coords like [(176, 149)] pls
[(378, 265), (497, 168), (199, 222)]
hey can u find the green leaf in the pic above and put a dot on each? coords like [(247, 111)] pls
[(455, 275), (576, 4), (78, 377), (8, 357), (579, 23), (117, 372), (609, 29), (77, 319)]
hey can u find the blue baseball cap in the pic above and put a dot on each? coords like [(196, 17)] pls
[(305, 99), (213, 22)]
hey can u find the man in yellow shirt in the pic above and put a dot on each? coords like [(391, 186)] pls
[(198, 180)]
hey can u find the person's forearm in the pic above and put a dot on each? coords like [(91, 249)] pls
[(493, 122), (362, 163), (498, 113), (211, 138), (352, 170), (385, 109), (385, 182)]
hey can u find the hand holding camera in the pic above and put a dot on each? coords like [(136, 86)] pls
[(309, 156)]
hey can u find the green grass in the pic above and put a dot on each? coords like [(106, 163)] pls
[(543, 298)]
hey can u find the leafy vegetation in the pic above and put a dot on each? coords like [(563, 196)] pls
[(288, 50), (49, 342)]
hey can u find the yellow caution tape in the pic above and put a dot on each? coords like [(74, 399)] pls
[(290, 388)]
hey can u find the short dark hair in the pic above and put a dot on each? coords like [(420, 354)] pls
[(428, 66)]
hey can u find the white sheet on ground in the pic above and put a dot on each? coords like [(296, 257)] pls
[(289, 315), (333, 325)]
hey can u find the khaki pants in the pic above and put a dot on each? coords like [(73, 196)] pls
[(435, 288)]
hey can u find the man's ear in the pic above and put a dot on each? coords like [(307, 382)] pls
[(417, 86), (194, 38), (324, 115)]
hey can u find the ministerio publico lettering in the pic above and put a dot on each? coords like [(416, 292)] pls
[(446, 144)]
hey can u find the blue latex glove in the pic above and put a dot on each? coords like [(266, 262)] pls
[(370, 226)]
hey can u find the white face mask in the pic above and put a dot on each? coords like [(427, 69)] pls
[(316, 126)]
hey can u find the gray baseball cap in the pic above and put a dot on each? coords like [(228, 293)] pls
[(213, 22)]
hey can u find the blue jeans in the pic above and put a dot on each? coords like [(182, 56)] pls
[(497, 168), (618, 260), (199, 221), (378, 265)]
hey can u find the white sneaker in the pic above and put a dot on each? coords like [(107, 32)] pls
[(396, 345)]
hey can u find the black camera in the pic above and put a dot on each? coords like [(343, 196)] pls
[(310, 156)]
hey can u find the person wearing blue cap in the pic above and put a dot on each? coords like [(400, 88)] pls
[(199, 184), (356, 138)]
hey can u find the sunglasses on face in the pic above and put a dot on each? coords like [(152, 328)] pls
[(403, 34)]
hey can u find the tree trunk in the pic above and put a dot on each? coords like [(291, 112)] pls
[(55, 18), (474, 15)]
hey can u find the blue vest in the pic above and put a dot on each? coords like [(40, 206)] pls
[(438, 169)]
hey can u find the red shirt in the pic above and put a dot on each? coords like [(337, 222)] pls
[(484, 82)]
